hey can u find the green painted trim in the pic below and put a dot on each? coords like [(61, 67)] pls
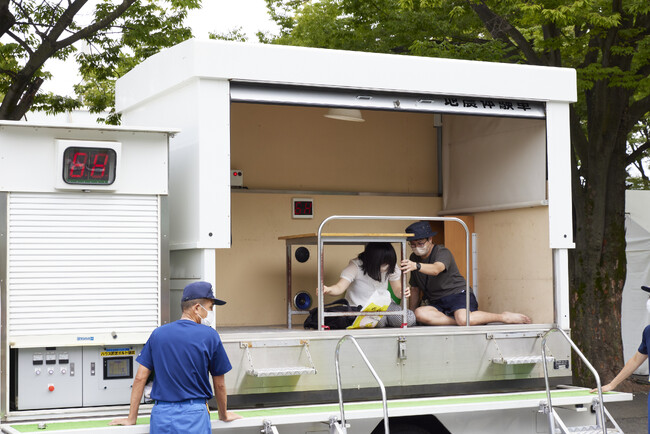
[(414, 403), (60, 426), (330, 408)]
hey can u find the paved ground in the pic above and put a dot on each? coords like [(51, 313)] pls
[(631, 416)]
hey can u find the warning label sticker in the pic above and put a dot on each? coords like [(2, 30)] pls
[(117, 353)]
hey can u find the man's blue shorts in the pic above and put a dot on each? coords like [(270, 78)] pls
[(184, 417), (451, 303)]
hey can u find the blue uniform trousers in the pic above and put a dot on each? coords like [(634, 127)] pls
[(184, 417)]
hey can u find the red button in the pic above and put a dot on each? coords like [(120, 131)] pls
[(50, 387)]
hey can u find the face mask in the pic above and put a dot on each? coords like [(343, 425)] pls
[(208, 320), (421, 251), (647, 305)]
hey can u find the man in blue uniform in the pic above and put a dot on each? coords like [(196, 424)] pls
[(635, 361), (183, 356)]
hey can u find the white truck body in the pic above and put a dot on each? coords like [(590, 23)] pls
[(486, 142)]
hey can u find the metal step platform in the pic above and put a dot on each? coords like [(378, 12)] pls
[(281, 372), (591, 429), (562, 428), (521, 360), (302, 352)]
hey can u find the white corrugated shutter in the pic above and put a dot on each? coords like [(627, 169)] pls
[(82, 263)]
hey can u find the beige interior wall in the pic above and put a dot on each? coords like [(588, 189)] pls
[(515, 267), (297, 148), (251, 274)]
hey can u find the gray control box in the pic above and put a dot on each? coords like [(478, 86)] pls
[(108, 374), (75, 376), (49, 378)]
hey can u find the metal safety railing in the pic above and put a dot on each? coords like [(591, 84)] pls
[(600, 407), (374, 374), (404, 312)]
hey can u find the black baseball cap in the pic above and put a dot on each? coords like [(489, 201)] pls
[(420, 230)]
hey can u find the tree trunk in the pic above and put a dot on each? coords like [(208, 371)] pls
[(598, 263)]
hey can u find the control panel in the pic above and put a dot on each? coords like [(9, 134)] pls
[(59, 377), (49, 378), (108, 374)]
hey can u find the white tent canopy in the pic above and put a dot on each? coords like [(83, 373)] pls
[(634, 316)]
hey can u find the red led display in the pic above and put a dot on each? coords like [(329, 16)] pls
[(91, 166), (302, 208)]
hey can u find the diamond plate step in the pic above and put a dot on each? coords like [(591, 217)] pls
[(281, 372), (589, 429)]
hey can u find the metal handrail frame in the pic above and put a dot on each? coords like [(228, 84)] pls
[(600, 410), (321, 271), (372, 371)]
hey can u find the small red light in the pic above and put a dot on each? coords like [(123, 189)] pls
[(50, 387)]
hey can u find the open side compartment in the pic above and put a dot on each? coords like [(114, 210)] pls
[(387, 165)]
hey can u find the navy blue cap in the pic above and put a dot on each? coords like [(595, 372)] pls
[(196, 290), (421, 229)]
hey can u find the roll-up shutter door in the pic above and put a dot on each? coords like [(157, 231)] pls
[(82, 263), (262, 93)]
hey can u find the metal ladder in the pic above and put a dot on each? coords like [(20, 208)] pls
[(556, 425), (340, 427)]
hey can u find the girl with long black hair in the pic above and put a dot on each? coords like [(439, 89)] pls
[(366, 280)]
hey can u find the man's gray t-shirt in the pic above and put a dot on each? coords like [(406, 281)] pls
[(446, 283)]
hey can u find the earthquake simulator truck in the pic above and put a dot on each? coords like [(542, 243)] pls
[(286, 161)]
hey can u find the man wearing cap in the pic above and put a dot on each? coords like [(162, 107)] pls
[(183, 355), (435, 277)]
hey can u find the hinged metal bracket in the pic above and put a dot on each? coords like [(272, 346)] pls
[(543, 407), (401, 348), (269, 428), (335, 426)]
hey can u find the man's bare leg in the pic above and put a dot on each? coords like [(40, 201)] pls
[(429, 315), (479, 317)]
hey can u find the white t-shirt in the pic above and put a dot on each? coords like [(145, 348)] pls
[(364, 287)]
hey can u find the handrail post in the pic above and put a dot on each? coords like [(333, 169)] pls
[(372, 371), (551, 419), (601, 407), (404, 284)]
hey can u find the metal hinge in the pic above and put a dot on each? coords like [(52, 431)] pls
[(401, 348)]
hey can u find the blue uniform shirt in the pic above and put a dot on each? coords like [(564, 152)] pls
[(643, 348), (181, 354)]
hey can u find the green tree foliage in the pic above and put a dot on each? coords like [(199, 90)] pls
[(107, 39), (639, 154), (237, 34), (606, 41)]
